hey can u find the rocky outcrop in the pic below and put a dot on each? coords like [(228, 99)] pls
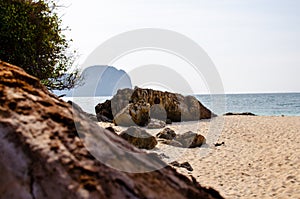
[(43, 147), (177, 107), (166, 106), (139, 138)]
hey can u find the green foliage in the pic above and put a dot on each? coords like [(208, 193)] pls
[(31, 37)]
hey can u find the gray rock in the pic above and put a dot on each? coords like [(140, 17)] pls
[(133, 114), (157, 111), (123, 118)]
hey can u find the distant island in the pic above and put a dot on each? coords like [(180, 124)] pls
[(99, 80)]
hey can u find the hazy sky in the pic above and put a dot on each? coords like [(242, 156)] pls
[(254, 44)]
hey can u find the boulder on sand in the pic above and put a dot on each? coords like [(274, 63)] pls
[(186, 140), (177, 107), (166, 106), (139, 138), (42, 155), (167, 134), (190, 139)]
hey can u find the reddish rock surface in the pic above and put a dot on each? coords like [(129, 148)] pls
[(43, 157)]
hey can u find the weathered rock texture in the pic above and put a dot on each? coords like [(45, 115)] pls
[(178, 108), (190, 139), (111, 108), (167, 134), (164, 105), (133, 114), (187, 140), (43, 157), (139, 138)]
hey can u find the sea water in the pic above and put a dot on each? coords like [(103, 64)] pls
[(259, 104)]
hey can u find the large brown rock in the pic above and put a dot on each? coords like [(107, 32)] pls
[(167, 134), (139, 138), (178, 108), (165, 106), (190, 139), (42, 155)]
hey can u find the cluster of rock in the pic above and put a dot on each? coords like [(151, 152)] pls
[(42, 155), (143, 140), (187, 140), (154, 109), (137, 107)]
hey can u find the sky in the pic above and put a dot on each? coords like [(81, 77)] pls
[(254, 44)]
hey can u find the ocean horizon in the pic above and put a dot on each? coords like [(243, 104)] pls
[(264, 104)]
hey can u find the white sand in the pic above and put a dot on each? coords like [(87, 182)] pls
[(260, 158)]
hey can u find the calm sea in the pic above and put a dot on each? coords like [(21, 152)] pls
[(260, 104)]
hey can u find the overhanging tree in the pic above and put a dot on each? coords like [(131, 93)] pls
[(31, 36)]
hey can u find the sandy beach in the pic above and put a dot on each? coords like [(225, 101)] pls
[(260, 157)]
